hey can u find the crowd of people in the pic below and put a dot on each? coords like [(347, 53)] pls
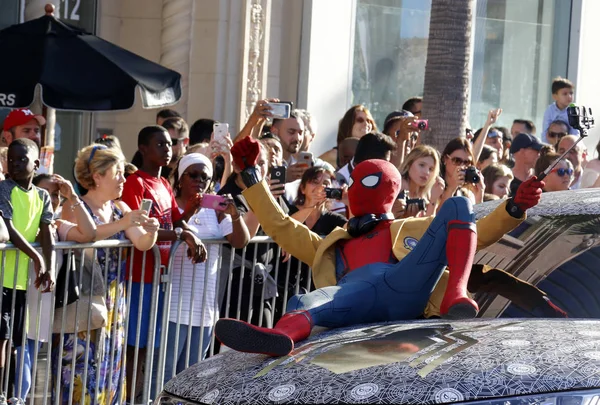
[(195, 187)]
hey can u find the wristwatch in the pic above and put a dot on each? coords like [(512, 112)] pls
[(178, 232)]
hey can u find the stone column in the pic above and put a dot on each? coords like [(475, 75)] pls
[(257, 20), (176, 43)]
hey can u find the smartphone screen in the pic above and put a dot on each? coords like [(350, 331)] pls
[(280, 110)]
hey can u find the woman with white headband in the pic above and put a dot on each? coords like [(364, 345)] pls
[(194, 287)]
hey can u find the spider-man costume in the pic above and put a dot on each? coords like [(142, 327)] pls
[(375, 280)]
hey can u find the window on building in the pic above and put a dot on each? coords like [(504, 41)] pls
[(519, 46)]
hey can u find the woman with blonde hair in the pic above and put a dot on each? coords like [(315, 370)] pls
[(420, 171), (100, 170), (356, 123)]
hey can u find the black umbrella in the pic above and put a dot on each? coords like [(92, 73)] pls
[(77, 70)]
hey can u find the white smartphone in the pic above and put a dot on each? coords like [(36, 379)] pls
[(220, 131), (146, 205), (306, 158)]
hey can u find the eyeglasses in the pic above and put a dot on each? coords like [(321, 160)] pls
[(197, 176), (556, 134), (561, 172), (94, 149), (460, 162)]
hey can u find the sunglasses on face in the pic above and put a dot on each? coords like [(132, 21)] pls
[(197, 176), (556, 134), (561, 172), (460, 162)]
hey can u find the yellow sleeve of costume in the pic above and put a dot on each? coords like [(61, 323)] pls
[(293, 237), (490, 229)]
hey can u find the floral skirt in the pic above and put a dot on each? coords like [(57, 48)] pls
[(98, 378)]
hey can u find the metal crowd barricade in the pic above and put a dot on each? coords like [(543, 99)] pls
[(235, 295), (244, 286), (55, 356)]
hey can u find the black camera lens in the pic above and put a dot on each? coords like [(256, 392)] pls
[(472, 175), (334, 193)]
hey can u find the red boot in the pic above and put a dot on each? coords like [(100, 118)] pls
[(241, 336), (460, 251)]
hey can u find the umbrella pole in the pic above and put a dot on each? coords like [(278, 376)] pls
[(47, 133)]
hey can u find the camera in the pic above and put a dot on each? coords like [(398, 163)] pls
[(420, 202), (422, 125), (472, 175), (334, 193), (580, 118)]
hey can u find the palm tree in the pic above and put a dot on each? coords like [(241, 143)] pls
[(447, 71)]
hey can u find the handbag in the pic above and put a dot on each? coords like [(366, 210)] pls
[(66, 274), (90, 307)]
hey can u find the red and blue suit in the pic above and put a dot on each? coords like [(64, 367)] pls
[(372, 283)]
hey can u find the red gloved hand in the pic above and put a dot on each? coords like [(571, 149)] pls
[(245, 153), (529, 193)]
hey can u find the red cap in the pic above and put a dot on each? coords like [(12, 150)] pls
[(21, 116)]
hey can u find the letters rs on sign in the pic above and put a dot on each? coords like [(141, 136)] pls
[(7, 100)]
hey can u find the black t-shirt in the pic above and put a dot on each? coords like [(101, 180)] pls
[(514, 185), (235, 191), (326, 223)]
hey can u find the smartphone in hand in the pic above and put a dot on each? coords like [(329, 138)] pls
[(220, 131), (215, 202), (306, 158), (281, 110), (278, 173), (146, 205)]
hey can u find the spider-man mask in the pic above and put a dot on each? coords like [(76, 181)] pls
[(373, 187)]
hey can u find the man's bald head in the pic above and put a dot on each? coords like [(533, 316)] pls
[(575, 156)]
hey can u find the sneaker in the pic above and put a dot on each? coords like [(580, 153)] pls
[(16, 401), (3, 400)]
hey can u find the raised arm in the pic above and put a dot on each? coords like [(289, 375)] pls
[(480, 141), (257, 120), (293, 236)]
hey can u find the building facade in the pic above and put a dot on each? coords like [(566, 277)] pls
[(326, 55)]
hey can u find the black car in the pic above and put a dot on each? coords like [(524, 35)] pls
[(512, 360)]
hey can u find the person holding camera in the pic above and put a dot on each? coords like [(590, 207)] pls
[(405, 129), (459, 172), (311, 205), (421, 189)]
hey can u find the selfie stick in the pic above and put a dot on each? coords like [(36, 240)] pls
[(584, 125)]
